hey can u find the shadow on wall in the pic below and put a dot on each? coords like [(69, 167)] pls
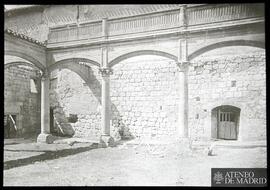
[(60, 125), (118, 129), (64, 128)]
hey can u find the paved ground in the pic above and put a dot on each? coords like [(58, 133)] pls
[(83, 164)]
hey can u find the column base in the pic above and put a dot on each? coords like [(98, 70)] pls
[(45, 138), (106, 141)]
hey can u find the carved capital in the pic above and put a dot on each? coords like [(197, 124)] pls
[(183, 65), (38, 73), (45, 75), (105, 71)]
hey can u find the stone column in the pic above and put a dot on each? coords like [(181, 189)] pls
[(45, 136), (105, 140), (183, 96)]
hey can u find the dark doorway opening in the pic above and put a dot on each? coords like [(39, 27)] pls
[(52, 130), (225, 122), (10, 126)]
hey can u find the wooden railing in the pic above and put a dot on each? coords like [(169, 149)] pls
[(155, 21)]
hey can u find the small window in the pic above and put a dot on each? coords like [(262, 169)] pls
[(233, 83), (33, 86)]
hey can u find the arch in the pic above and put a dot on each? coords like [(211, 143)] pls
[(16, 63), (141, 52), (83, 70), (26, 57), (227, 105), (63, 62), (217, 104), (210, 47), (76, 69)]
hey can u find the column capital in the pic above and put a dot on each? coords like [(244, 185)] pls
[(105, 71), (182, 65), (45, 74), (38, 73)]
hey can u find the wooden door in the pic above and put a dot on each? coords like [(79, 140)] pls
[(227, 125)]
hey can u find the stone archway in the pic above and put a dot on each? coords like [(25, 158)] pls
[(68, 63), (81, 71), (142, 52), (20, 63), (26, 57), (214, 46)]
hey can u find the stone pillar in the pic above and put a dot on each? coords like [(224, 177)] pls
[(183, 16), (45, 136), (183, 96), (105, 140)]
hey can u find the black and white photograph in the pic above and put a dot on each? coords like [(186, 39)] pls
[(135, 95)]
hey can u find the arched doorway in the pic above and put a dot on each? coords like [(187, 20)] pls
[(225, 122)]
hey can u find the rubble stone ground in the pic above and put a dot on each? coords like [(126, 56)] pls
[(126, 164)]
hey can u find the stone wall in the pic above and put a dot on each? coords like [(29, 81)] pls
[(20, 101), (236, 79), (144, 92), (144, 96), (70, 94)]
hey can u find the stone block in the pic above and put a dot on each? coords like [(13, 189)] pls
[(45, 138), (106, 141)]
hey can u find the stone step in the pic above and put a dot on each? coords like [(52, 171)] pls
[(60, 140)]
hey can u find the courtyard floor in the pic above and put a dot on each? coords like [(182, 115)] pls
[(27, 163)]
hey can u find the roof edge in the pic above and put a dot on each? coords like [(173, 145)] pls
[(24, 37), (18, 9)]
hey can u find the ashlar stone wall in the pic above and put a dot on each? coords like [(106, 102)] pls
[(144, 92), (20, 101), (70, 94), (144, 96), (228, 77)]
